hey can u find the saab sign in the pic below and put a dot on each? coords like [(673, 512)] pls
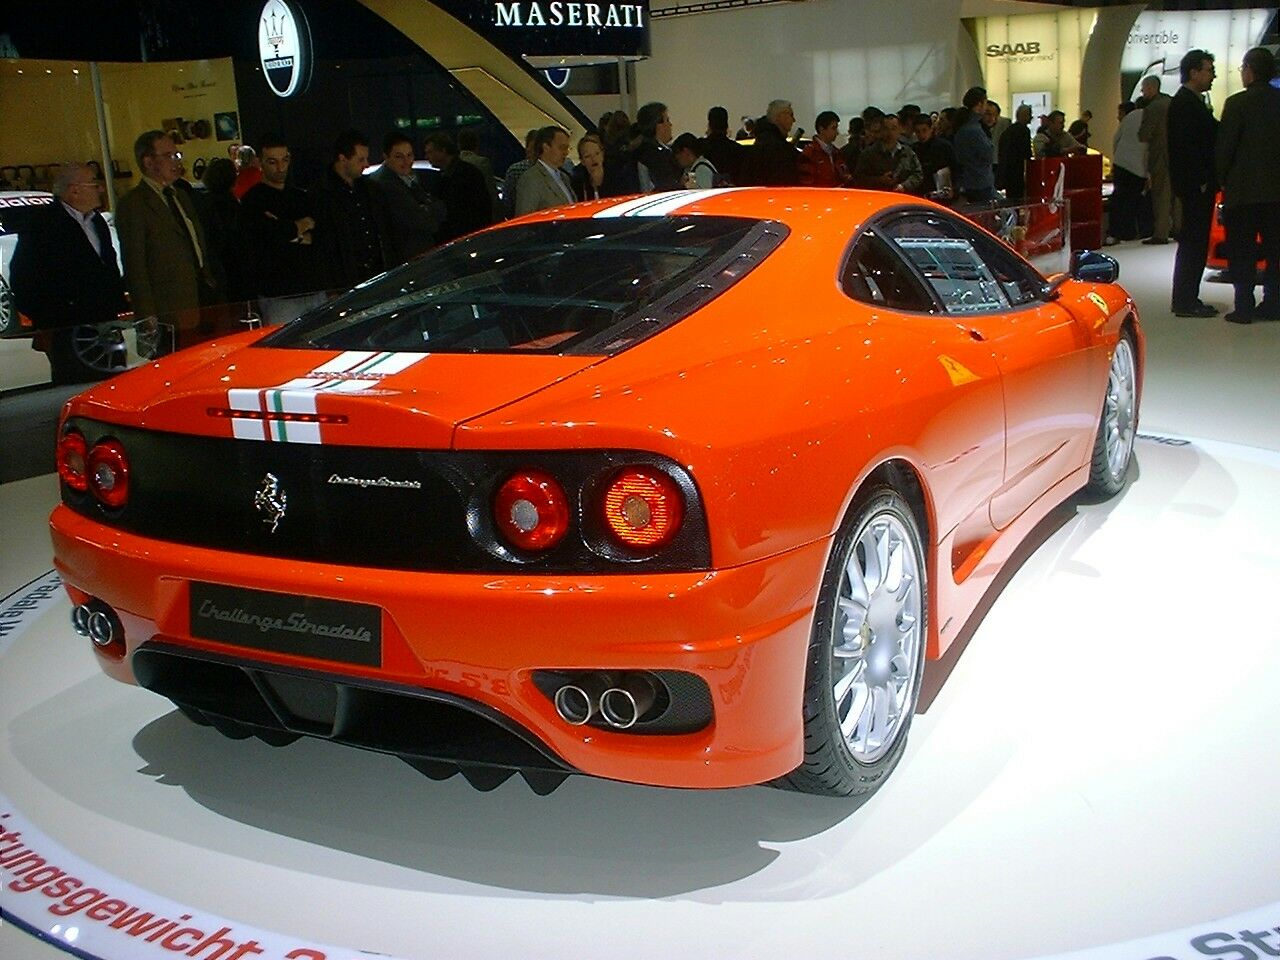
[(284, 47), (1013, 49), (571, 28)]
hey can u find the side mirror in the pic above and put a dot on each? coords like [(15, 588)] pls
[(1094, 267)]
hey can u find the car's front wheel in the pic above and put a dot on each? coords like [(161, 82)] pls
[(1118, 425), (866, 653)]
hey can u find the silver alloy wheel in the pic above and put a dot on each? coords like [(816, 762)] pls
[(100, 347), (8, 313), (1119, 420), (877, 636)]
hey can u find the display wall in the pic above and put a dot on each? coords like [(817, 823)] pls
[(820, 55), (1159, 39)]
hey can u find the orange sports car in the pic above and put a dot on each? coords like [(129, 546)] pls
[(684, 489)]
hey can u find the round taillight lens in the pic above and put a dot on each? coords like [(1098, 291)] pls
[(72, 461), (531, 510), (643, 508), (109, 473)]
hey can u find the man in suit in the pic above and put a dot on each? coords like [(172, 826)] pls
[(460, 186), (1154, 132), (411, 217), (1192, 133), (545, 184), (1248, 166), (64, 270), (166, 260)]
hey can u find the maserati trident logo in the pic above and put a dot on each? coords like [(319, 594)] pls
[(271, 501), (284, 47)]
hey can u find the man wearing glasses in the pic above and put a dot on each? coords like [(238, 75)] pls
[(64, 269), (166, 260)]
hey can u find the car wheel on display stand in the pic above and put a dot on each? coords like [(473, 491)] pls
[(1118, 425), (8, 312), (87, 352), (866, 653)]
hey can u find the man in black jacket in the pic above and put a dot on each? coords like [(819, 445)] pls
[(1192, 133), (347, 240), (410, 215), (276, 221), (773, 160), (1013, 154), (460, 186), (1248, 158), (725, 153), (64, 270)]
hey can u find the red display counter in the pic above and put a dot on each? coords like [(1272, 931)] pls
[(1078, 180)]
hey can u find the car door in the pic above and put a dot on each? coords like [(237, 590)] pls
[(1042, 350), (946, 385)]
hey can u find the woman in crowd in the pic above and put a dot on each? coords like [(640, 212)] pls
[(588, 175)]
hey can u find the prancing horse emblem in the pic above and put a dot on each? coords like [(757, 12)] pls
[(271, 501)]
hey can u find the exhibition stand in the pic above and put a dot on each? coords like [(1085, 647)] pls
[(1092, 774)]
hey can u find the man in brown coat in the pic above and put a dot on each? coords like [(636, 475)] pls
[(1154, 132), (166, 260)]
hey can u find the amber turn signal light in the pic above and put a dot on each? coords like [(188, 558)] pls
[(643, 508)]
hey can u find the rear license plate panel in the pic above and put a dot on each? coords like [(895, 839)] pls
[(286, 623)]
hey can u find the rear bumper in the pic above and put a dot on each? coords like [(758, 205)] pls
[(744, 630)]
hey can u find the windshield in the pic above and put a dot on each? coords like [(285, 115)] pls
[(564, 286)]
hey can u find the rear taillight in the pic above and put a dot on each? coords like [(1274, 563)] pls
[(109, 473), (643, 508), (531, 511), (72, 462)]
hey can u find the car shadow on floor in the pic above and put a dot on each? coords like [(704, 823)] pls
[(1070, 511)]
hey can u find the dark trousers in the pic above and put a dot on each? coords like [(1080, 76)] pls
[(1125, 202), (1193, 248), (1253, 234)]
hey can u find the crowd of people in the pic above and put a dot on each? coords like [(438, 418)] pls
[(1171, 160), (252, 233)]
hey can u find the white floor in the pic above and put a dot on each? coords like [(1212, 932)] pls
[(1098, 768)]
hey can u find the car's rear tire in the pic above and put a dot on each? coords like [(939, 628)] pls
[(866, 652), (1118, 424)]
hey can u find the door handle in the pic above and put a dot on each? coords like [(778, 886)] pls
[(976, 335)]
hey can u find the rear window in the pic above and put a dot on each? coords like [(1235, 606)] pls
[(566, 286)]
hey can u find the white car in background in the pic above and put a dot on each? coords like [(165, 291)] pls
[(89, 351)]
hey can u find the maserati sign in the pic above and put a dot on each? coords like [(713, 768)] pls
[(578, 28), (567, 13), (284, 47)]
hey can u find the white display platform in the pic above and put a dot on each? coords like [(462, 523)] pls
[(1099, 766), (1096, 777)]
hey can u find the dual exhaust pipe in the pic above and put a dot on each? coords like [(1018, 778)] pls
[(618, 700), (98, 622)]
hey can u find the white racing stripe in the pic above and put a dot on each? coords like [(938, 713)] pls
[(352, 371), (659, 204)]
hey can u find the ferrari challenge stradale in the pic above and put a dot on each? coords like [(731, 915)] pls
[(680, 490)]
